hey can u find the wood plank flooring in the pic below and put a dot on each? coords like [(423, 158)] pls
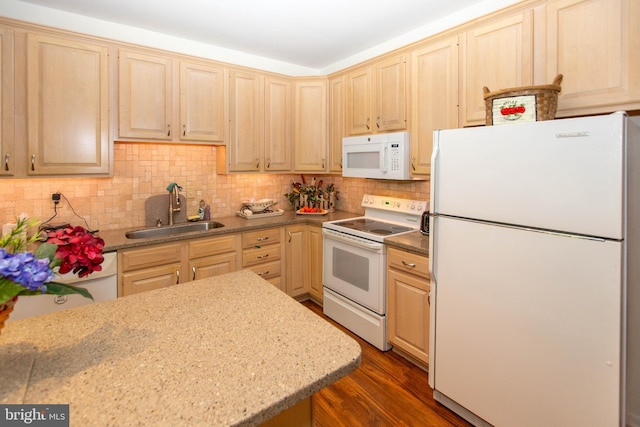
[(386, 390)]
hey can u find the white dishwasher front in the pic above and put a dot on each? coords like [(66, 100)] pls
[(103, 285)]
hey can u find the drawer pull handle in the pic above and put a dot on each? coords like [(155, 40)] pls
[(406, 264), (33, 162), (264, 273), (169, 130), (177, 277), (6, 162), (194, 273), (263, 256), (262, 239)]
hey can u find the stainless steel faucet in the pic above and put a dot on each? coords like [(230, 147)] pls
[(174, 199)]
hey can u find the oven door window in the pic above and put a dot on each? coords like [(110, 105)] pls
[(351, 268)]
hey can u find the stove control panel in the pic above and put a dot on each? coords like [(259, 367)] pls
[(407, 206)]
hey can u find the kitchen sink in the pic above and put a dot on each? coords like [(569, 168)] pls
[(172, 230)]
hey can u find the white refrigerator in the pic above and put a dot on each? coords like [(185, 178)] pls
[(535, 273)]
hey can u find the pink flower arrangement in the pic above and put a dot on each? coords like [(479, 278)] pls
[(78, 250)]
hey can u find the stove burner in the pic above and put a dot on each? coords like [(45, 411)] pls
[(380, 231)]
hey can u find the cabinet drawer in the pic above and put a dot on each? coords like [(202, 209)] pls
[(212, 246), (268, 270), (260, 255), (133, 259), (260, 238), (409, 262)]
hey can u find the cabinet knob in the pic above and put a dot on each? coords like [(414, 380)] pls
[(177, 277), (288, 232), (193, 269), (413, 163)]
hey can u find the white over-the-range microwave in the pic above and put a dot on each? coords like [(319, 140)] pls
[(379, 156)]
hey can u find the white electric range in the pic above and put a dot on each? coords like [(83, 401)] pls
[(355, 258)]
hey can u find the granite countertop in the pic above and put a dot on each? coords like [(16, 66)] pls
[(116, 239), (414, 242), (227, 350)]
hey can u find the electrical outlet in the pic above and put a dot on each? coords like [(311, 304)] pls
[(191, 193), (55, 197)]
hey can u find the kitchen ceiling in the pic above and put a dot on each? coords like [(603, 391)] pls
[(314, 34)]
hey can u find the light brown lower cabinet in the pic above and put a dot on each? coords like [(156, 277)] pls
[(315, 262), (288, 257), (296, 263), (408, 303), (166, 264), (262, 253), (149, 268)]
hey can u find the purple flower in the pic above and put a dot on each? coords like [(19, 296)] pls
[(27, 270)]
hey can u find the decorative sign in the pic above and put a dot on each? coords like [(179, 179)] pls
[(514, 109)]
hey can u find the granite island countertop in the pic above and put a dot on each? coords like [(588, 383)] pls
[(227, 350)]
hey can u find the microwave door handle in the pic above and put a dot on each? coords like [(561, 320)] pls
[(385, 158)]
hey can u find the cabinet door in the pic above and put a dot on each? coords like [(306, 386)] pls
[(435, 98), (245, 122), (212, 266), (391, 94), (315, 262), (202, 101), (7, 145), (67, 107), (600, 63), (336, 123), (145, 96), (408, 313), (277, 125), (149, 279), (498, 55), (359, 102), (295, 253), (311, 126)]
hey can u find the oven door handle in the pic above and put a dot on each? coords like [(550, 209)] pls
[(373, 246)]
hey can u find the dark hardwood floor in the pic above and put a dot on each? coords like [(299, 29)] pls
[(386, 390)]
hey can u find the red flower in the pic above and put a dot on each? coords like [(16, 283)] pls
[(78, 250)]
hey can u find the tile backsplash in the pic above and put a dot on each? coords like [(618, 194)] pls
[(142, 170)]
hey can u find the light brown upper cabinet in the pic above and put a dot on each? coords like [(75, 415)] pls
[(376, 97), (599, 60), (7, 143), (67, 106), (435, 97), (243, 152), (202, 102), (145, 96), (311, 125), (498, 54), (336, 122), (161, 103), (277, 124)]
